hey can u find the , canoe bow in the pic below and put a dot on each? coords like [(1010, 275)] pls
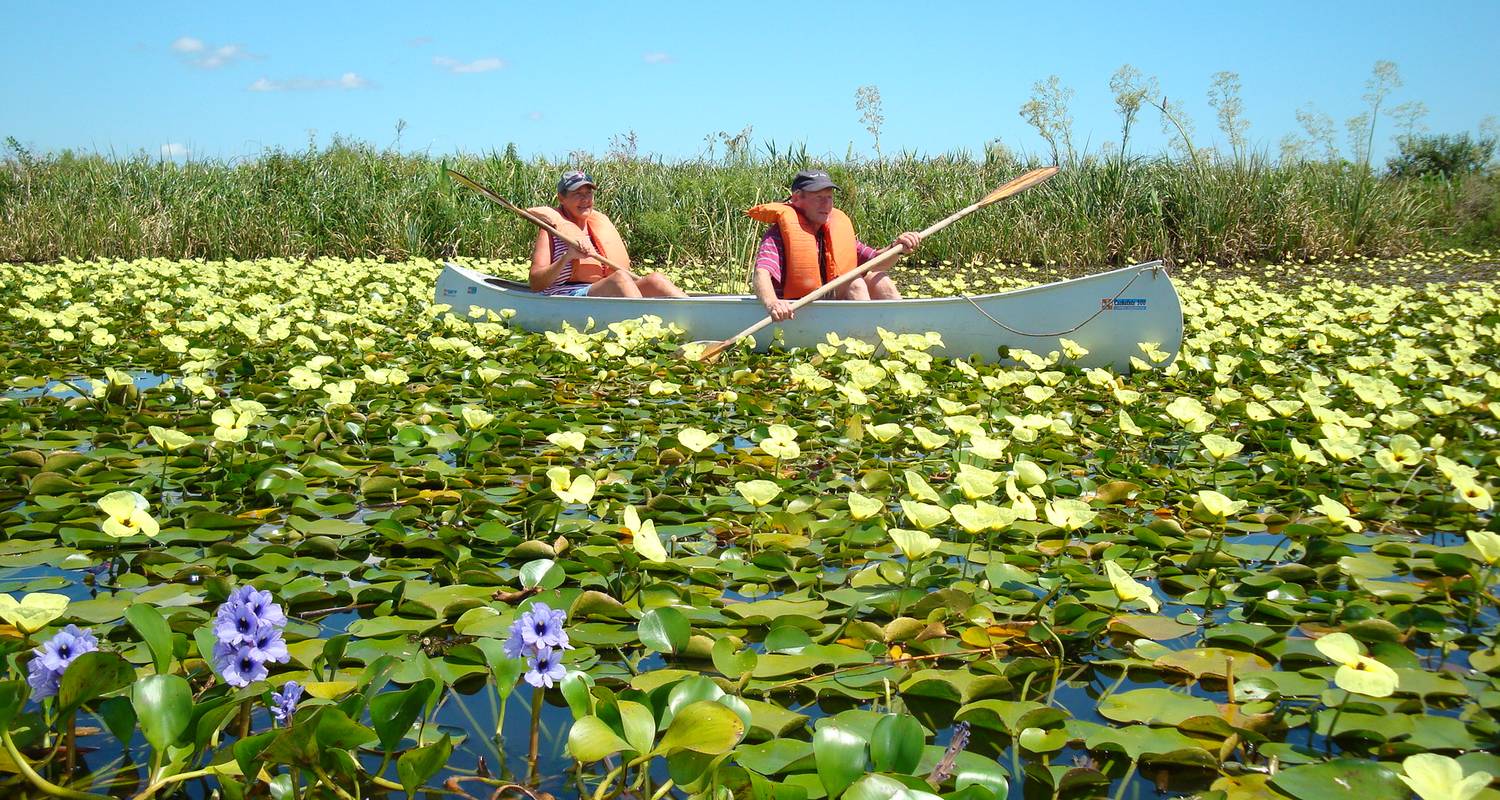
[(1108, 314)]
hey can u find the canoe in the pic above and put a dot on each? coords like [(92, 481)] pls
[(1107, 314)]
